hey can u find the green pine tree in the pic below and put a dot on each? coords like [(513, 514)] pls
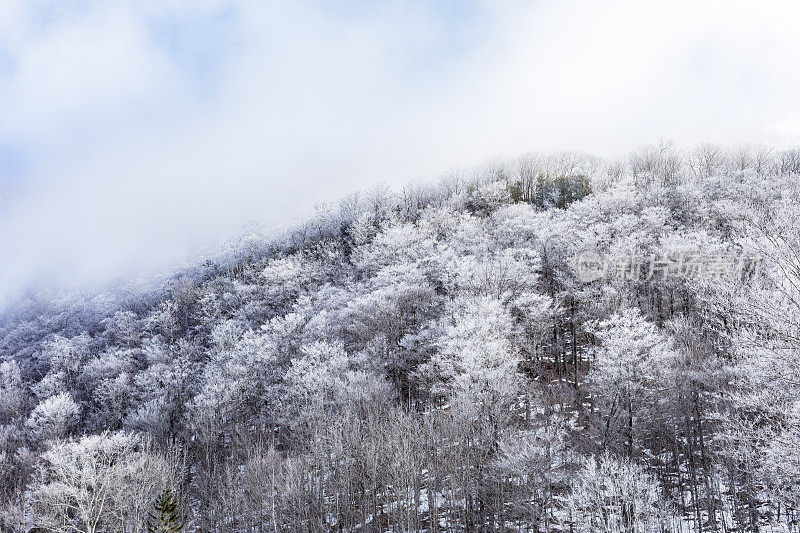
[(166, 517)]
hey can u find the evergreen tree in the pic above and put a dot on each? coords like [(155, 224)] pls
[(166, 517)]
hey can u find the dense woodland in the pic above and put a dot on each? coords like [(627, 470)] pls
[(428, 359)]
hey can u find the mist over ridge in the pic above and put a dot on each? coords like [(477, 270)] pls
[(189, 123)]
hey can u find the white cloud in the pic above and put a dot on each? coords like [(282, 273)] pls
[(152, 128)]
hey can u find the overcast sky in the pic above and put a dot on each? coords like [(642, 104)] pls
[(134, 132)]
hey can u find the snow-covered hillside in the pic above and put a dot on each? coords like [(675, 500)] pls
[(555, 343)]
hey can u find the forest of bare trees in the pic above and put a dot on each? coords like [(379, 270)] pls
[(433, 359)]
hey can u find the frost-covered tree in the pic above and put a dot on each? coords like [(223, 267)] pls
[(627, 363), (476, 360), (54, 417), (98, 483), (534, 466), (612, 495), (13, 397)]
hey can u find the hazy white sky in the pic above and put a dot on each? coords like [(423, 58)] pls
[(135, 131)]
